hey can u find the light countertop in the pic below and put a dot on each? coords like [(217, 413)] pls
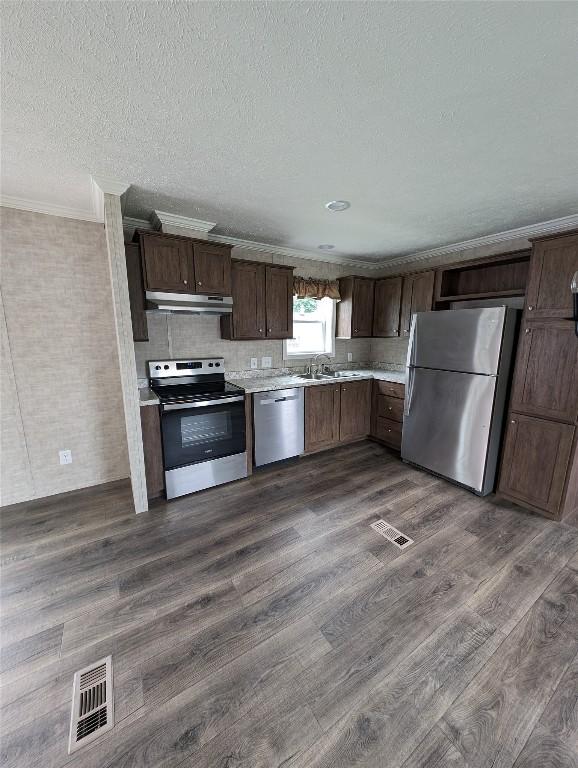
[(148, 397), (270, 383)]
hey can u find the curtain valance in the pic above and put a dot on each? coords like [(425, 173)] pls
[(312, 288)]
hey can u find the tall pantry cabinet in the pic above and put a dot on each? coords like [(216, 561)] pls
[(539, 467)]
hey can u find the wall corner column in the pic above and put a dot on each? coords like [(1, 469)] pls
[(112, 215)]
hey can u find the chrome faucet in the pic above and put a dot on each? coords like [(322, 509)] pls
[(315, 362)]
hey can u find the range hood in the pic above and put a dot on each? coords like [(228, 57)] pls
[(192, 303)]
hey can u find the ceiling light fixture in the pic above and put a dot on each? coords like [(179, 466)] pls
[(325, 247), (338, 205)]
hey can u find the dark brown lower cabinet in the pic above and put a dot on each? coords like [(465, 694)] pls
[(387, 413), (355, 414), (537, 465), (336, 413), (322, 412), (150, 421)]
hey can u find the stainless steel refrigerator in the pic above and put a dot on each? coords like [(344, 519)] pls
[(458, 371)]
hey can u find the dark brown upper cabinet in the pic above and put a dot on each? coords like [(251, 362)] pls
[(355, 417), (546, 373), (136, 292), (417, 296), (262, 302), (355, 310), (167, 262), (183, 265), (536, 462), (279, 302), (387, 306), (212, 268), (554, 262)]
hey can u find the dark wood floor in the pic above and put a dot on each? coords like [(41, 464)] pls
[(265, 624)]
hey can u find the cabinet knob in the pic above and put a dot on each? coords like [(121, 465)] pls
[(185, 282), (527, 330), (530, 308), (270, 330), (199, 282), (513, 421), (260, 330), (389, 408)]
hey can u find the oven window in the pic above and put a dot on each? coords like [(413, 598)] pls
[(205, 429), (200, 434)]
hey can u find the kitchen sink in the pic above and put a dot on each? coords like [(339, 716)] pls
[(328, 375), (339, 375)]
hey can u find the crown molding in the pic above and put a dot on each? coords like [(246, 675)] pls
[(130, 224), (162, 219), (533, 230), (35, 206), (294, 253)]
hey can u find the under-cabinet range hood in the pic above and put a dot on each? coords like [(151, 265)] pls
[(191, 303)]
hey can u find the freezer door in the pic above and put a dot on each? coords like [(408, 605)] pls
[(466, 340), (446, 426)]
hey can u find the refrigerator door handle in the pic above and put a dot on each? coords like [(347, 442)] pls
[(408, 391), (409, 368)]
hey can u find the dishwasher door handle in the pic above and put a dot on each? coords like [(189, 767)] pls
[(278, 400)]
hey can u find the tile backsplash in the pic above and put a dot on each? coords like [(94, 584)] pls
[(180, 336), (174, 336)]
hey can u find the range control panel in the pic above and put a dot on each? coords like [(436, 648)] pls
[(162, 369)]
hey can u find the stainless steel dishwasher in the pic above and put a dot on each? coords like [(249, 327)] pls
[(279, 425)]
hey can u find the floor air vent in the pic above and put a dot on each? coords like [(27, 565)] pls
[(92, 710), (392, 534)]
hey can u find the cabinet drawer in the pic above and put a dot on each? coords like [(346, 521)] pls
[(389, 408), (391, 388), (388, 431)]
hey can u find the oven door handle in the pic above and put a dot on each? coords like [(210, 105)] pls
[(202, 403)]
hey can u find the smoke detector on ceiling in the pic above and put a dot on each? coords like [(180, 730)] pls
[(338, 205), (326, 247)]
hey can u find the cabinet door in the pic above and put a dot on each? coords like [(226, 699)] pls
[(212, 267), (166, 263), (535, 460), (417, 296), (279, 297), (362, 315), (552, 266), (248, 283), (546, 377), (136, 292), (322, 406), (355, 409), (386, 307)]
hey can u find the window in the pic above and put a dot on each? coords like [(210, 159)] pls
[(313, 329)]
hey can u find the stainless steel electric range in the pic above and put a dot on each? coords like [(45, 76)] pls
[(203, 424)]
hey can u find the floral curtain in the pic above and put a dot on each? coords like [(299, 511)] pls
[(312, 288)]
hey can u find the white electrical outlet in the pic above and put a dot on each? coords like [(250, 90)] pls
[(65, 457), (254, 362), (265, 362), (349, 357)]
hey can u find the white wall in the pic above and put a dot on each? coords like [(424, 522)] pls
[(60, 386)]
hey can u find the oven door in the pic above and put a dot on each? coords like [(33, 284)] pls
[(202, 431)]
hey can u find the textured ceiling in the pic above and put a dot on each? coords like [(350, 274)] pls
[(438, 121)]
